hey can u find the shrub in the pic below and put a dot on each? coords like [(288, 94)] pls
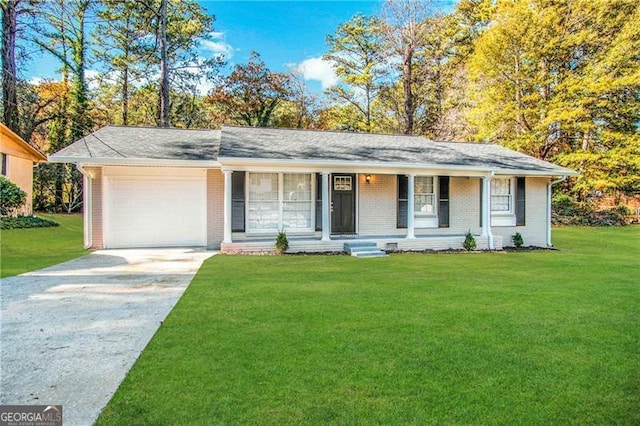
[(11, 197), (566, 211), (469, 242), (282, 243), (517, 239), (22, 222)]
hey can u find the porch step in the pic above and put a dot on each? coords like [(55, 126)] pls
[(363, 249)]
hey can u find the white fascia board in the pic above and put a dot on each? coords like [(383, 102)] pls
[(330, 166), (90, 161)]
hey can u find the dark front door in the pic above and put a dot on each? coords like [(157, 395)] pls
[(343, 204)]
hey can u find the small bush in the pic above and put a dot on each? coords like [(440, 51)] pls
[(22, 222), (469, 242), (566, 211), (11, 197), (517, 239), (282, 243)]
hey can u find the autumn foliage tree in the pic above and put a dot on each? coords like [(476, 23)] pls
[(251, 93)]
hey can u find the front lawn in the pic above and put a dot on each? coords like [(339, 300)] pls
[(496, 338), (25, 250)]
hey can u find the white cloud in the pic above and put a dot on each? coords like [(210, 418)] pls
[(94, 77), (36, 81), (319, 70), (217, 46)]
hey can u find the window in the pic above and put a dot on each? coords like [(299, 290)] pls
[(342, 183), (297, 201), (424, 196), (501, 201), (3, 159), (279, 201), (263, 206)]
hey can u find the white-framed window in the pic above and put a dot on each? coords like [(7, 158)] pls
[(297, 201), (501, 196), (263, 206), (278, 201), (424, 196)]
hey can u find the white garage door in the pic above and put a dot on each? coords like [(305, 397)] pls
[(154, 210)]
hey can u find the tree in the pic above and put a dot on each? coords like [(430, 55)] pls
[(12, 29), (9, 77), (356, 52), (405, 26), (560, 81), (178, 27), (300, 110), (122, 30), (64, 36), (251, 93)]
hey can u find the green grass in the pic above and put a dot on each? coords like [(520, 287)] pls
[(495, 338), (25, 250)]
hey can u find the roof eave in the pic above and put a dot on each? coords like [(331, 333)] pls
[(357, 166), (157, 162)]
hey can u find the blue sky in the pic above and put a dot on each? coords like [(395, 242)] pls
[(283, 32)]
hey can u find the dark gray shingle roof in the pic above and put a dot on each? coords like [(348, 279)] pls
[(287, 144), (113, 143), (119, 142)]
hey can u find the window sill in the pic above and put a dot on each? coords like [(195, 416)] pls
[(425, 222), (503, 220)]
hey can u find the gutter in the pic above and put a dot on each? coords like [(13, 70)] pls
[(549, 185), (87, 206)]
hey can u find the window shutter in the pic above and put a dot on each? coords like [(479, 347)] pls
[(443, 201), (403, 191), (237, 201), (318, 202), (520, 201)]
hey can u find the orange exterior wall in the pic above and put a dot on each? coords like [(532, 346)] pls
[(20, 160)]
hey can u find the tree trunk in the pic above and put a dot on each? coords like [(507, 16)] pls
[(164, 67), (79, 102), (9, 78), (125, 96), (408, 95)]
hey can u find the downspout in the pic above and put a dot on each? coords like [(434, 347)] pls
[(87, 206), (549, 185)]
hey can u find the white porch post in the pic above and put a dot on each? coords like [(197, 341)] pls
[(227, 207), (486, 210), (325, 207), (410, 207)]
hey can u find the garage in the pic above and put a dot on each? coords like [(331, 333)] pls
[(154, 207)]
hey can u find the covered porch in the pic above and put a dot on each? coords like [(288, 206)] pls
[(382, 210), (386, 243)]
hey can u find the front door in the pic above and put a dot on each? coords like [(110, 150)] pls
[(343, 204)]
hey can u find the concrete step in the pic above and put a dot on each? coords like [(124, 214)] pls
[(368, 254), (363, 249), (359, 246)]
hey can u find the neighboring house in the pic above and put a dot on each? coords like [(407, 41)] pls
[(18, 158), (235, 188)]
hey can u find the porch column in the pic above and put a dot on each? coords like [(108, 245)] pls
[(486, 210), (227, 206), (410, 207), (325, 207)]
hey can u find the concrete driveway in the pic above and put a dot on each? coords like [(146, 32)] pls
[(70, 333)]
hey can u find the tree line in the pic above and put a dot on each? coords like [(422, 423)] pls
[(557, 80)]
